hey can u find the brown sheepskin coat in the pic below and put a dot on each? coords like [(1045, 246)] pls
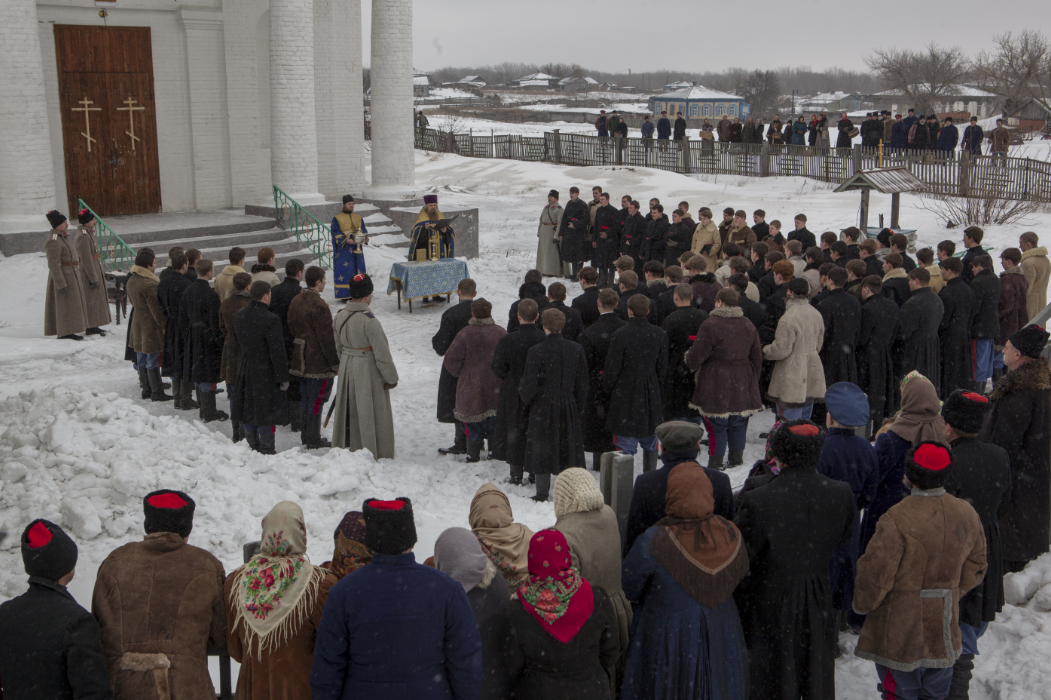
[(798, 377), (147, 324), (65, 312), (231, 361), (727, 357), (470, 360), (314, 353)]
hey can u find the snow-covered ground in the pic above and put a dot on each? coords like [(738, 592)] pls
[(78, 446)]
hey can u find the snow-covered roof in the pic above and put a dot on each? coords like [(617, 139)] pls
[(679, 85), (532, 83), (697, 92), (949, 91), (420, 80), (536, 76), (828, 97), (470, 79), (586, 81)]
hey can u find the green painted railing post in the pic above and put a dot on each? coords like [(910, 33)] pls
[(307, 228), (117, 256)]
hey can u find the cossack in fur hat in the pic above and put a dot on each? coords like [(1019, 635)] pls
[(55, 218), (84, 216), (965, 411), (430, 199), (553, 193), (348, 198), (360, 286), (47, 551), (928, 465), (389, 525), (1029, 341), (797, 443), (680, 436), (168, 511)]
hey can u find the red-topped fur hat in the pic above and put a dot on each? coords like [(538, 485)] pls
[(928, 465), (168, 511)]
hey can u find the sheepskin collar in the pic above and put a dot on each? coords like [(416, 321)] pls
[(481, 321), (144, 272), (707, 277), (728, 312), (488, 576), (1013, 271), (796, 301), (241, 293), (1035, 374), (896, 273), (1040, 252)]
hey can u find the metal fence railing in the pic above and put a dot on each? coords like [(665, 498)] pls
[(310, 231), (117, 256), (953, 173)]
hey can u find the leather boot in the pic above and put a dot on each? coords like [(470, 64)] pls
[(312, 433), (474, 451), (459, 445), (295, 417), (176, 394), (736, 458), (266, 443), (239, 431), (596, 461), (144, 383), (649, 461), (252, 438), (186, 394), (208, 410), (715, 462), (516, 475), (962, 671), (156, 385), (543, 487)]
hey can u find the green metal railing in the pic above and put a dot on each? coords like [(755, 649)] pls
[(117, 256), (308, 229)]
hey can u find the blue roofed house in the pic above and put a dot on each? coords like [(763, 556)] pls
[(698, 102)]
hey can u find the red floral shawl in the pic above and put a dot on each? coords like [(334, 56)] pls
[(555, 594)]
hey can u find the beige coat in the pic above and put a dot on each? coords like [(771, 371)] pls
[(224, 281), (937, 283), (363, 413), (65, 310), (159, 604), (798, 377), (147, 325), (594, 543), (548, 260), (707, 235), (1036, 269), (96, 297)]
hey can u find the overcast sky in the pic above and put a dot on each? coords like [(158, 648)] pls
[(671, 35)]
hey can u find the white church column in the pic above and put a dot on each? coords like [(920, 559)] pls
[(339, 99), (293, 126), (27, 177), (393, 162)]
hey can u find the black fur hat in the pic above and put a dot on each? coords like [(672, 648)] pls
[(1029, 341), (55, 218), (47, 551), (360, 286), (928, 465), (168, 511), (965, 411), (84, 216), (798, 443), (389, 525)]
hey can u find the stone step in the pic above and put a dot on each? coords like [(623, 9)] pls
[(225, 242), (139, 230)]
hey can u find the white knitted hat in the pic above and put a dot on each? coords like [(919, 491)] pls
[(576, 491)]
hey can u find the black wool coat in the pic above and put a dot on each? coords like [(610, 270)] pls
[(1020, 422), (530, 290), (606, 250), (841, 313), (986, 323), (766, 285), (574, 246), (512, 416), (756, 272), (873, 266), (968, 261), (50, 647), (257, 398), (454, 319), (493, 617), (199, 312), (954, 336), (705, 287), (635, 367), (875, 359), (281, 297), (633, 239), (544, 668), (753, 311), (656, 245), (596, 340), (918, 346), (649, 497), (679, 239), (176, 335), (792, 527), (897, 289), (622, 305), (981, 475), (679, 382), (555, 388), (574, 323), (587, 305)]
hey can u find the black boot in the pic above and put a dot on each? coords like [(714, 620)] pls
[(736, 458), (156, 385), (71, 336), (596, 461), (295, 417), (94, 331), (516, 475), (459, 445), (543, 487), (716, 463), (649, 461), (266, 443), (239, 431), (252, 438), (312, 433), (208, 410), (188, 404), (962, 671), (176, 394), (474, 451), (144, 383)]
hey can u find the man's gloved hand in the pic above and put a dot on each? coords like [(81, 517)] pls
[(388, 387)]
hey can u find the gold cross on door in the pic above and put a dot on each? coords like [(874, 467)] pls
[(87, 118), (131, 109)]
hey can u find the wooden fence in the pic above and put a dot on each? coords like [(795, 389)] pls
[(957, 175)]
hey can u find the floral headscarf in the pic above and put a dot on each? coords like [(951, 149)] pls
[(276, 589), (505, 542), (555, 594), (350, 551)]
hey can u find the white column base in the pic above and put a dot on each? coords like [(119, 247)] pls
[(393, 192), (305, 198)]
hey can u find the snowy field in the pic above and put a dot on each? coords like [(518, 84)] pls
[(79, 447)]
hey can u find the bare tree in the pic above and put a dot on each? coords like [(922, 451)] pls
[(761, 89), (1018, 69), (922, 77)]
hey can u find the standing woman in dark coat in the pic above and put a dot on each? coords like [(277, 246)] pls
[(879, 327), (1019, 423), (595, 341), (458, 554), (799, 132), (258, 400), (454, 319), (792, 527), (509, 362), (954, 332), (687, 642), (573, 228), (845, 126), (555, 387), (681, 327), (565, 631)]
